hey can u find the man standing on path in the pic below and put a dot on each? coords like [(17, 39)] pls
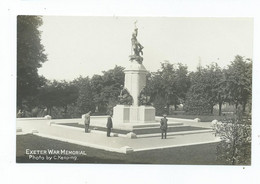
[(109, 125), (164, 126), (87, 121)]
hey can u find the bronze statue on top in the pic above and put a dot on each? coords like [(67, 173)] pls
[(137, 48)]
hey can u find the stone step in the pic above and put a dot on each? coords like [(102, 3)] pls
[(170, 129), (176, 133), (156, 125), (148, 133), (142, 130)]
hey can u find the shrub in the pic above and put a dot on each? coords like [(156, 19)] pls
[(235, 145)]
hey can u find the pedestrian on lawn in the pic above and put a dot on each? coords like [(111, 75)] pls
[(164, 126), (109, 125), (87, 121)]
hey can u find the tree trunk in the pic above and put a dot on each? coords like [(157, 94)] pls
[(244, 106), (168, 109), (211, 109), (64, 115), (19, 104), (220, 108), (175, 107), (233, 152), (49, 111)]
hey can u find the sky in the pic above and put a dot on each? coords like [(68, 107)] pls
[(84, 46)]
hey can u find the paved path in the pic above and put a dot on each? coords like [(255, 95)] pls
[(117, 144)]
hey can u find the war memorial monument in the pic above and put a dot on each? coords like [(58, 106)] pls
[(135, 126), (135, 81)]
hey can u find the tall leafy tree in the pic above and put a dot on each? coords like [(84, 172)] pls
[(97, 85), (239, 81), (30, 56), (207, 89), (196, 102), (182, 84), (85, 101), (167, 73), (113, 80), (49, 95), (170, 83), (68, 94), (213, 80), (155, 89), (57, 94)]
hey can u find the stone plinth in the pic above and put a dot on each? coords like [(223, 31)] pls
[(133, 114), (121, 114), (147, 114), (135, 80)]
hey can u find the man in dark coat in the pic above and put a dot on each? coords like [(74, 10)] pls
[(87, 121), (164, 126), (109, 125)]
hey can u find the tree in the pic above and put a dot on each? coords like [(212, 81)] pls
[(97, 84), (155, 90), (68, 94), (239, 81), (57, 94), (196, 102), (214, 88), (85, 102), (169, 89), (49, 95), (182, 84), (207, 89), (159, 104), (30, 56), (112, 80), (170, 83)]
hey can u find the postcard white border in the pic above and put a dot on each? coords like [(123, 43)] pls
[(101, 173)]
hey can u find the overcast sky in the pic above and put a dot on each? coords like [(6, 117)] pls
[(89, 45)]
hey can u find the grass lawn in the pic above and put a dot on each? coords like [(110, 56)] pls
[(192, 155)]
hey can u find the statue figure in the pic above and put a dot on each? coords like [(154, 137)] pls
[(137, 48), (125, 98), (144, 98)]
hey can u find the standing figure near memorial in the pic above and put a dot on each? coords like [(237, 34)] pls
[(109, 125), (164, 126), (87, 121)]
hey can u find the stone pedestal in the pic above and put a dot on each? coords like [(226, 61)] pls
[(133, 114), (146, 114), (135, 80), (121, 114)]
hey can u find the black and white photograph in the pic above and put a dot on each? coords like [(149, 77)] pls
[(130, 92), (134, 90)]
